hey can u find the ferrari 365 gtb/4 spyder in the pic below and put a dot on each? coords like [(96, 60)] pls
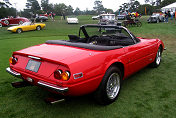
[(93, 61)]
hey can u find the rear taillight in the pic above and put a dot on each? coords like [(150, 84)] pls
[(59, 74), (13, 60)]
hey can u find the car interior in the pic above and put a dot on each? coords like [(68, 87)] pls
[(103, 36), (99, 38)]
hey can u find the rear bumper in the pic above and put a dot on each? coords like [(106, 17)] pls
[(52, 87), (14, 73), (42, 84)]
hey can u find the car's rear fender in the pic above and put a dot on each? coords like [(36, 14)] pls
[(118, 63)]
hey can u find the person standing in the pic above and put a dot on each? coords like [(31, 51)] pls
[(175, 16), (172, 15), (166, 17)]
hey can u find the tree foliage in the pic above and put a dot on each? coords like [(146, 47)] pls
[(5, 12), (33, 6), (98, 6), (167, 2), (45, 5), (132, 6)]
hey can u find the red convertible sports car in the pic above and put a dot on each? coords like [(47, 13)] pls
[(94, 61), (15, 21)]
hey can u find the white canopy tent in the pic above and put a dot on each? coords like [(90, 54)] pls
[(171, 7)]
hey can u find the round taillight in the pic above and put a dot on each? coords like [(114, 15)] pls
[(13, 60), (57, 74), (65, 75)]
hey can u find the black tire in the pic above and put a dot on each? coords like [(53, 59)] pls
[(0, 24), (109, 87), (6, 22), (157, 60), (41, 20), (38, 28), (19, 31)]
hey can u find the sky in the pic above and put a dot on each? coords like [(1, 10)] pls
[(82, 4)]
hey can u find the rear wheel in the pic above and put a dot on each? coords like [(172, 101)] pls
[(157, 61), (109, 87), (38, 28), (19, 31)]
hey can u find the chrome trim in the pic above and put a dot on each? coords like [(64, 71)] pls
[(32, 57), (52, 87), (12, 72)]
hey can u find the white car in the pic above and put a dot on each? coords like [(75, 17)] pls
[(72, 20), (95, 17)]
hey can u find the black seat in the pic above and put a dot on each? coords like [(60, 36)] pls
[(73, 38)]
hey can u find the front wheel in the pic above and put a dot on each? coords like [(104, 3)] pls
[(157, 60), (109, 87)]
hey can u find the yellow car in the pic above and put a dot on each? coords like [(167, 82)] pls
[(26, 26)]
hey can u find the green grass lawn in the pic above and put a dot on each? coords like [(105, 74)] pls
[(149, 93)]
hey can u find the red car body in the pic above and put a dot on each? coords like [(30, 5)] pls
[(87, 66), (14, 21), (2, 24)]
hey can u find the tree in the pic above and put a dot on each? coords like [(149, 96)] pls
[(124, 7), (5, 12), (45, 5), (134, 6), (149, 9), (109, 10), (33, 6), (167, 2), (98, 6), (153, 2), (77, 11), (69, 10), (60, 9)]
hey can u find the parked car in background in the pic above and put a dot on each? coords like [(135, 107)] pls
[(135, 14), (14, 21), (106, 19), (95, 17), (27, 26), (122, 16), (44, 15), (90, 62), (156, 18), (72, 20), (40, 19)]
